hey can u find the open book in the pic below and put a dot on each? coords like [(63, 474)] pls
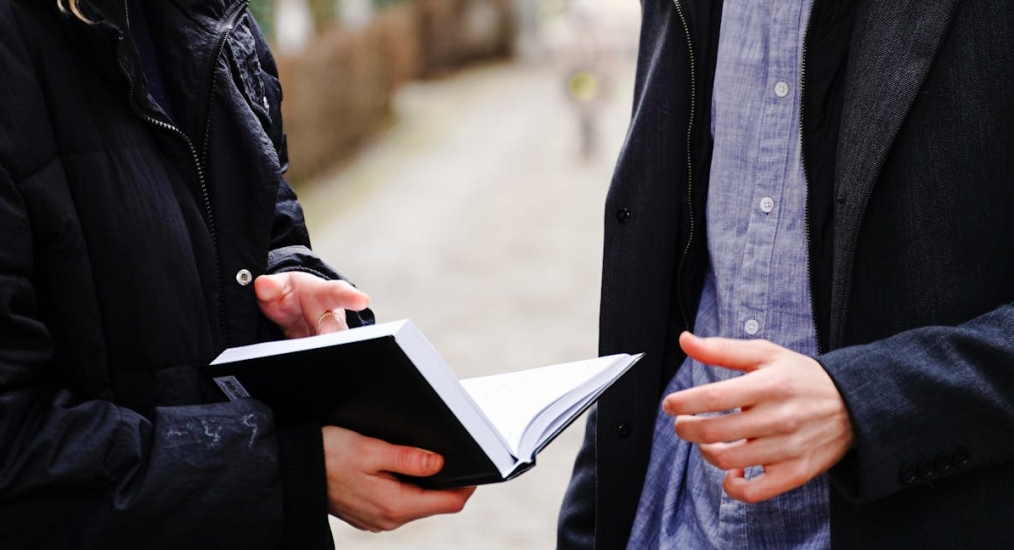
[(387, 381)]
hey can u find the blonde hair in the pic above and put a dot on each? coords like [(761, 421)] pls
[(71, 5)]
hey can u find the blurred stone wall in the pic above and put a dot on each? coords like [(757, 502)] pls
[(338, 90)]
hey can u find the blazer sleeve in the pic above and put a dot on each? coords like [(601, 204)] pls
[(576, 523), (926, 404)]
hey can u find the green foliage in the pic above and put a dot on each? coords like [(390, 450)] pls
[(263, 11)]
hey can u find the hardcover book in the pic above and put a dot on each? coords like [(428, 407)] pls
[(387, 381)]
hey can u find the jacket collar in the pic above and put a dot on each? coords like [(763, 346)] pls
[(187, 31), (893, 47)]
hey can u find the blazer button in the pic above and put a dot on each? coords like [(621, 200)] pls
[(623, 431), (243, 277), (907, 476), (623, 215), (926, 470), (942, 463), (959, 458)]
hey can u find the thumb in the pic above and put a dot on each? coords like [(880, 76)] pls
[(272, 288)]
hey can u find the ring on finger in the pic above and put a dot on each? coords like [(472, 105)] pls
[(327, 313)]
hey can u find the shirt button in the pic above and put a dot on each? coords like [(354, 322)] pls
[(751, 327), (243, 277), (767, 204), (266, 106), (782, 88), (623, 215)]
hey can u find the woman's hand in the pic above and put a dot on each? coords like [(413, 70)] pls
[(303, 304), (363, 490)]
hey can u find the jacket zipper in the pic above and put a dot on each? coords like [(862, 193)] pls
[(200, 161), (690, 162), (173, 130), (806, 179)]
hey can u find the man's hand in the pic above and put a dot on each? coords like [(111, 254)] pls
[(791, 418), (362, 490), (297, 302)]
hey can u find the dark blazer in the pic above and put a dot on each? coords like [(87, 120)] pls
[(912, 265), (128, 244)]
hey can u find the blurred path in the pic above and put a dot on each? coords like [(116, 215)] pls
[(475, 217)]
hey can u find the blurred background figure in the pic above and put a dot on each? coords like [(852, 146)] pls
[(585, 54), (437, 147)]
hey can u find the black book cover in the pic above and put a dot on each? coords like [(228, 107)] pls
[(371, 387)]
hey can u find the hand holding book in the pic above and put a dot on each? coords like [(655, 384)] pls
[(362, 491), (387, 382)]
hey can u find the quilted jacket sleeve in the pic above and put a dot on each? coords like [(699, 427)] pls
[(86, 473), (290, 244)]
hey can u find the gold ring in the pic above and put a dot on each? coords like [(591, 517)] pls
[(327, 313)]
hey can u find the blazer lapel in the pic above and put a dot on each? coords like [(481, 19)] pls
[(894, 43)]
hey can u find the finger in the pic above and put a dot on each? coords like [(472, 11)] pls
[(275, 298), (751, 452), (401, 503), (735, 393), (745, 355), (416, 503), (398, 459), (341, 295), (272, 288), (331, 320), (725, 428), (775, 480)]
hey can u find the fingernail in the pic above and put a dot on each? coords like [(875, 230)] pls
[(431, 462)]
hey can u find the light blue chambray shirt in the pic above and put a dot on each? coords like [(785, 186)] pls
[(757, 285)]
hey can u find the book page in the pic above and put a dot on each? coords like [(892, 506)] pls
[(514, 400)]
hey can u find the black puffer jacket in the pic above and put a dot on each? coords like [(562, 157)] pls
[(128, 244)]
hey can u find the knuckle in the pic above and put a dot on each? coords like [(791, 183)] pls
[(457, 505), (723, 460), (788, 423), (796, 445), (779, 387), (710, 433), (389, 518), (798, 474), (709, 454), (712, 398), (752, 494), (406, 460)]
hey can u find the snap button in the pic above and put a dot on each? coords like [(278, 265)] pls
[(907, 475), (243, 277), (623, 431), (959, 458), (942, 463)]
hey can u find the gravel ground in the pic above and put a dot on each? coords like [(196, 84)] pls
[(475, 216)]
